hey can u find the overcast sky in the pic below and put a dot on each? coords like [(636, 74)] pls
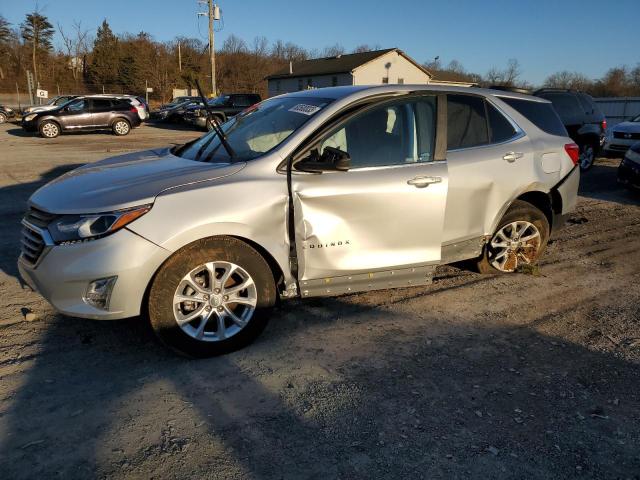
[(544, 35)]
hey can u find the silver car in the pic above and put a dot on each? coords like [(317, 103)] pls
[(315, 193), (621, 136)]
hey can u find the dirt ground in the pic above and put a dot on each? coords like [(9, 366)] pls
[(518, 376)]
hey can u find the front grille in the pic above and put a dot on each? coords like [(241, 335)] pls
[(32, 244), (627, 135), (39, 218)]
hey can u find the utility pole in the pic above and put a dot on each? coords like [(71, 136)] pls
[(213, 13), (212, 51), (179, 58)]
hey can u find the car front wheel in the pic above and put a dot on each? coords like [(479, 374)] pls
[(3, 117), (212, 297), (520, 239), (49, 129)]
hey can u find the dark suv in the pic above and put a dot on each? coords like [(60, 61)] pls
[(222, 107), (582, 118), (85, 113)]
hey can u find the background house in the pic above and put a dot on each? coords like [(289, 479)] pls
[(367, 68)]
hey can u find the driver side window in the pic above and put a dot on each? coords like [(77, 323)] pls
[(392, 134), (77, 107)]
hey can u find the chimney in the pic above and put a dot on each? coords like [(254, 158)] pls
[(290, 67)]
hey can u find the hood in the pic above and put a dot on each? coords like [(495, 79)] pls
[(627, 127), (124, 181)]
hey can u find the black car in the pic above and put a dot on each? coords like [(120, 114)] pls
[(85, 113), (178, 100), (6, 113), (176, 113), (583, 119), (629, 169), (222, 108)]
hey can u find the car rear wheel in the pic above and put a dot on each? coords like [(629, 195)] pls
[(49, 129), (121, 127), (212, 297), (3, 117), (520, 239), (587, 156)]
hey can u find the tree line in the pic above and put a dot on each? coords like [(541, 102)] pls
[(128, 63)]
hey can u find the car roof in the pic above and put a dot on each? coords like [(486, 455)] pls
[(362, 91)]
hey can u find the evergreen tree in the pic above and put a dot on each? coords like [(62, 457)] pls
[(37, 32), (105, 64)]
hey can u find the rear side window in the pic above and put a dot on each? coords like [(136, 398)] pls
[(466, 122), (542, 115), (101, 103), (500, 129)]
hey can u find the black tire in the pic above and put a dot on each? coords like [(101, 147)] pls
[(49, 129), (588, 153), (523, 212), (121, 127), (170, 275), (3, 117)]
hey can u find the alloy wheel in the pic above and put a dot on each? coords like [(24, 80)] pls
[(514, 244), (122, 128), (587, 156), (50, 130), (214, 301)]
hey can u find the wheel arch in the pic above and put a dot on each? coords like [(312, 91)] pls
[(118, 118), (541, 200), (274, 266)]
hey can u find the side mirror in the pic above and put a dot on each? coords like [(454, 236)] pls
[(331, 160)]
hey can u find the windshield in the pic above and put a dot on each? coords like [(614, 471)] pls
[(256, 130), (219, 101)]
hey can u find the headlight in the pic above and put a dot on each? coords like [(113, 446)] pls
[(73, 228), (28, 118)]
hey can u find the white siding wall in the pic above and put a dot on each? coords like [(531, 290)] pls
[(287, 85), (373, 72)]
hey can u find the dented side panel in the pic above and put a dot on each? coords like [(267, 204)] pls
[(369, 219)]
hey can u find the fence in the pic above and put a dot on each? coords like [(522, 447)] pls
[(619, 109)]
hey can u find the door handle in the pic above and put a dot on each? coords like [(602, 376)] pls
[(512, 156), (422, 182)]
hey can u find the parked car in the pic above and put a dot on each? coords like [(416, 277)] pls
[(55, 102), (176, 113), (178, 100), (222, 108), (6, 113), (582, 118), (85, 113), (314, 193), (629, 169), (622, 136)]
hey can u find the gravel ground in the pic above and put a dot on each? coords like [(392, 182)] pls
[(518, 376)]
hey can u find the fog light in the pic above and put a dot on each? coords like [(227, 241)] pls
[(98, 292)]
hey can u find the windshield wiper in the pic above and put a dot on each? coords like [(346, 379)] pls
[(216, 126)]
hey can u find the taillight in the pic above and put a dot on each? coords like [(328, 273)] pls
[(573, 151), (133, 109), (604, 125)]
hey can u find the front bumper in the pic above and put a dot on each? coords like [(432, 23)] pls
[(63, 273), (617, 146), (31, 126)]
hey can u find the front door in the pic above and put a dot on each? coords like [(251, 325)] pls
[(76, 115), (386, 212)]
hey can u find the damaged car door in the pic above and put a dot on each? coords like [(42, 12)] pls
[(377, 223)]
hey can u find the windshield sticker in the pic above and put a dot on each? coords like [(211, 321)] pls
[(305, 109)]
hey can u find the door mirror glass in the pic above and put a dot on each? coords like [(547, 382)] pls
[(331, 160)]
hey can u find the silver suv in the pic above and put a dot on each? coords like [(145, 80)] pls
[(315, 193)]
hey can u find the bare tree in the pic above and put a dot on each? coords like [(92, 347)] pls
[(333, 50), (76, 45)]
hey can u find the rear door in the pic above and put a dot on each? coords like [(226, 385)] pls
[(101, 111), (386, 212), (489, 160)]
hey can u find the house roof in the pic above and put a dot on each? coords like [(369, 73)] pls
[(338, 64)]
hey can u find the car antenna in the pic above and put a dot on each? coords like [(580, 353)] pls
[(214, 122)]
